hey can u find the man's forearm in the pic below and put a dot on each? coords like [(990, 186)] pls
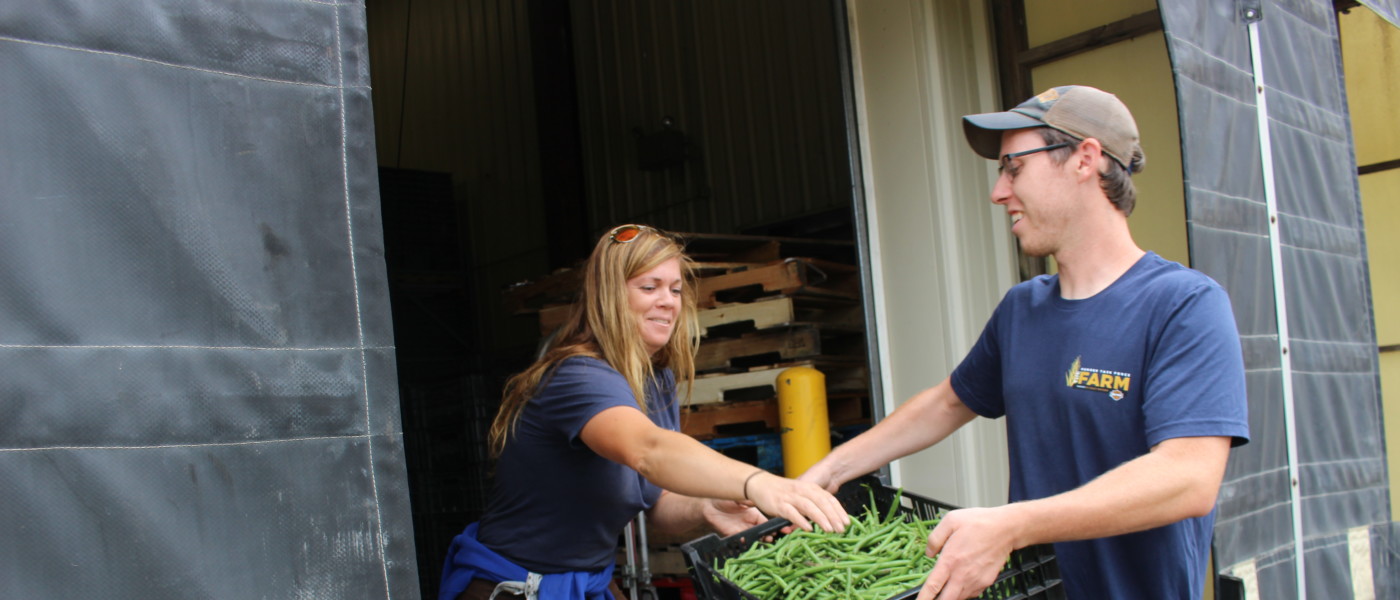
[(675, 513), (926, 419), (1177, 480)]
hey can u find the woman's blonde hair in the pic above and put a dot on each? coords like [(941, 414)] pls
[(601, 324)]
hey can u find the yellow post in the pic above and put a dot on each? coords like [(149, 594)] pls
[(806, 429)]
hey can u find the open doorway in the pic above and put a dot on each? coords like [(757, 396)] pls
[(511, 134)]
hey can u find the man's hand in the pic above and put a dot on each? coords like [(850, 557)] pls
[(728, 517), (972, 545), (821, 475)]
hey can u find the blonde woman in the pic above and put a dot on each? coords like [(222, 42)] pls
[(586, 437)]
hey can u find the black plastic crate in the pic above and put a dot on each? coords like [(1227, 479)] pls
[(1032, 572)]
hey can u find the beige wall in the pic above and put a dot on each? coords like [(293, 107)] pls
[(1139, 73), (1371, 58), (1380, 201), (1050, 21)]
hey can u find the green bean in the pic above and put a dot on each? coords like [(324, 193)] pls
[(877, 556)]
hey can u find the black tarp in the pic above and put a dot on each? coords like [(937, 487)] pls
[(1341, 460), (197, 380)]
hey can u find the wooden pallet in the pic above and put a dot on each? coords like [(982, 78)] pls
[(709, 421), (556, 288), (777, 311), (760, 314), (771, 345), (760, 383), (848, 409), (552, 317), (712, 420), (792, 276), (713, 254), (718, 248), (739, 317)]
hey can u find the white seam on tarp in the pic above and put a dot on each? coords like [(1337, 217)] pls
[(1248, 514), (204, 445), (1363, 585), (1338, 372), (1262, 235), (359, 317), (1248, 572), (1275, 505), (1346, 461), (6, 38), (1319, 342), (1205, 54), (1280, 304)]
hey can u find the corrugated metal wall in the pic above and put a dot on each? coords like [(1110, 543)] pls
[(753, 85), (453, 92)]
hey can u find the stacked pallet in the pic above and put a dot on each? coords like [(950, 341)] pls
[(765, 305)]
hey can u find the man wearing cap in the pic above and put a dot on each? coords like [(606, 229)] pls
[(1121, 377)]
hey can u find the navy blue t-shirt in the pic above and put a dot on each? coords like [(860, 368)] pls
[(1087, 385), (556, 506)]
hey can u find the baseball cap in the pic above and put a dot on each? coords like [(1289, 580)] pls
[(1078, 110)]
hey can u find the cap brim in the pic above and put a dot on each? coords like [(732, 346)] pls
[(984, 131)]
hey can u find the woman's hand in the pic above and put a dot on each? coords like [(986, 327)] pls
[(797, 501)]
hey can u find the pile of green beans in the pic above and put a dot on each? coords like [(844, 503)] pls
[(877, 557)]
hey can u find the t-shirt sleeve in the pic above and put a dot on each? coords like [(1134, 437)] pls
[(1195, 382), (977, 380), (579, 389)]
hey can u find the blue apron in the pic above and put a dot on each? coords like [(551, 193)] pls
[(467, 559)]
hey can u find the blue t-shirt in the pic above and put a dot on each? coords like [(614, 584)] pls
[(1087, 385), (556, 505)]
